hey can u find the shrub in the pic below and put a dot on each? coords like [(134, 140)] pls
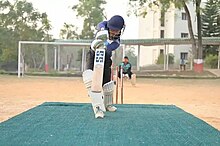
[(160, 59), (211, 61)]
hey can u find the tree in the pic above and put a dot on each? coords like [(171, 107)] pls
[(19, 20), (165, 5), (199, 28), (92, 13), (218, 21), (7, 51), (46, 26), (69, 31), (210, 25)]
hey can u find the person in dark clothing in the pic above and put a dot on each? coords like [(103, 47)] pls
[(108, 37), (113, 29), (182, 64), (126, 66), (126, 70)]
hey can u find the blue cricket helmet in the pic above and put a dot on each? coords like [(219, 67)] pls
[(116, 23)]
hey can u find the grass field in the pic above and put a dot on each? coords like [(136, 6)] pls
[(200, 97)]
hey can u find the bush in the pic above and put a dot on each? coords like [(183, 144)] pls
[(9, 66), (211, 61), (2, 71), (160, 59)]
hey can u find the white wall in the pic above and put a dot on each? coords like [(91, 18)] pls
[(181, 26), (149, 27)]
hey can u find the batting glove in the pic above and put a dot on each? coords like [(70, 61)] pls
[(102, 35), (96, 44)]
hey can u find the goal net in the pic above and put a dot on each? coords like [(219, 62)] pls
[(55, 58), (51, 57)]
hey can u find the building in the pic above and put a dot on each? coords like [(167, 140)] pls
[(171, 24)]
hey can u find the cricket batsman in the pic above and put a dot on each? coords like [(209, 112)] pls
[(108, 37)]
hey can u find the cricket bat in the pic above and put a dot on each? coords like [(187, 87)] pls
[(98, 70), (97, 78)]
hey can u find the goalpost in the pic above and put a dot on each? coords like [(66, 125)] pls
[(69, 56), (43, 57), (59, 57)]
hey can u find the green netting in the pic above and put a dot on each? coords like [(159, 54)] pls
[(132, 125)]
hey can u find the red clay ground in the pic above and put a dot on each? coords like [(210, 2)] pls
[(198, 97)]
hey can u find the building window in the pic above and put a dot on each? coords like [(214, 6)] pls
[(184, 55), (184, 35), (162, 18), (184, 17), (161, 33)]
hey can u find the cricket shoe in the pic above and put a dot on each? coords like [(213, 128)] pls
[(99, 113), (111, 108)]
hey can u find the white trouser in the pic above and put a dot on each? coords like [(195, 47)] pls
[(96, 98), (108, 90)]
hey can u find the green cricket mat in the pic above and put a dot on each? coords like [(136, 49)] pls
[(74, 124)]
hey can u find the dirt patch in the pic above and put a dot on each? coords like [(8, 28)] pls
[(198, 97)]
